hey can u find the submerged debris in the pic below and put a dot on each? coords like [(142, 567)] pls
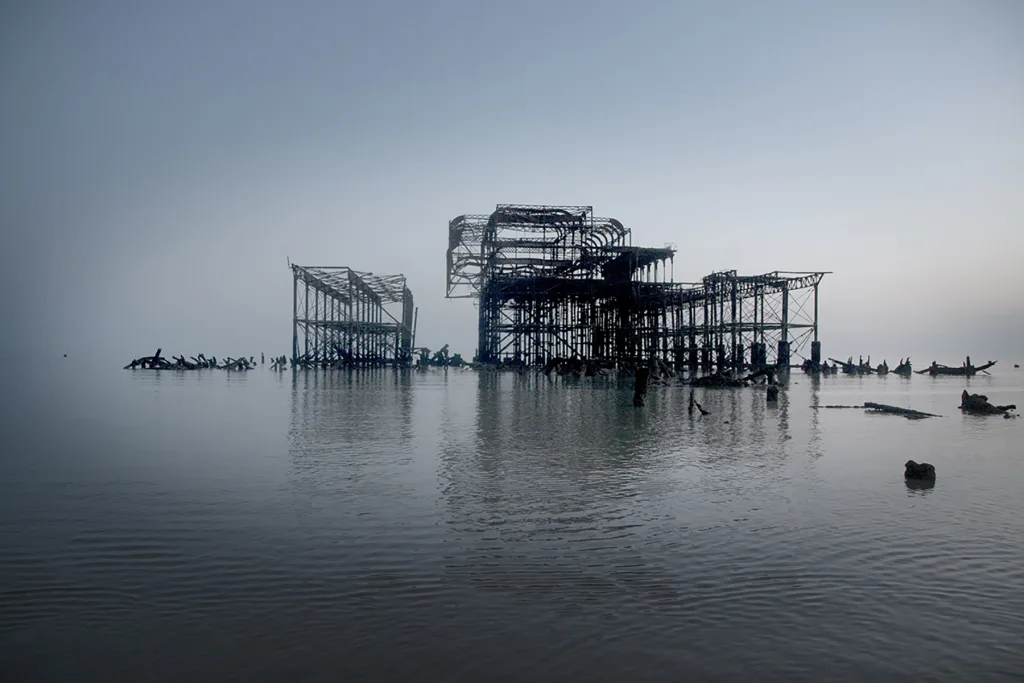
[(823, 368), (904, 368), (976, 404), (440, 359), (694, 404), (861, 367), (893, 410), (728, 378), (718, 379), (887, 410), (158, 362), (965, 370)]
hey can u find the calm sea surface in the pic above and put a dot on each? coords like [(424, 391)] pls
[(332, 526)]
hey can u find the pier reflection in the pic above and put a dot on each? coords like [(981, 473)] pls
[(814, 440), (584, 438), (350, 425), (552, 490)]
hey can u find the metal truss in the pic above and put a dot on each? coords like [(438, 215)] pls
[(343, 317), (557, 282), (772, 316)]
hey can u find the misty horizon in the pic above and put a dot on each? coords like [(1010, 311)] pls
[(165, 163)]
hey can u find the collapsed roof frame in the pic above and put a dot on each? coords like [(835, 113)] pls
[(345, 317)]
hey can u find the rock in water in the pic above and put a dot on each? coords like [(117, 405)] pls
[(919, 470)]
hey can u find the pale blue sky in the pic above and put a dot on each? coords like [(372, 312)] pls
[(163, 159)]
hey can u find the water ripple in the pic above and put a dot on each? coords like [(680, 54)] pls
[(455, 526)]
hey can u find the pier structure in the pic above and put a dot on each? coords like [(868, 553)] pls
[(345, 317), (732, 320), (556, 282)]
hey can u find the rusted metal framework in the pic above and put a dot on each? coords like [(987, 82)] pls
[(557, 282), (343, 317), (749, 320)]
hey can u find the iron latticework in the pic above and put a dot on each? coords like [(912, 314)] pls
[(557, 282), (755, 320), (350, 318)]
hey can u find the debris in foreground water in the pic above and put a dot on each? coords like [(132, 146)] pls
[(976, 404), (887, 410)]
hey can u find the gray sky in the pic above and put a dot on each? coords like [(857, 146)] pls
[(163, 159)]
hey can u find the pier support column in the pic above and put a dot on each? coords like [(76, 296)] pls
[(816, 353), (737, 357), (758, 355), (295, 316), (783, 359)]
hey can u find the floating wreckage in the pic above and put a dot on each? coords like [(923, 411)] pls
[(883, 409), (580, 368), (863, 367), (904, 369), (824, 368), (850, 368), (893, 410), (976, 404), (440, 359), (159, 362), (965, 370), (973, 404), (728, 378)]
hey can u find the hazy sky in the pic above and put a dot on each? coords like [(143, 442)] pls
[(162, 160)]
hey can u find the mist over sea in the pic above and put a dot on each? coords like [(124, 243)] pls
[(464, 526)]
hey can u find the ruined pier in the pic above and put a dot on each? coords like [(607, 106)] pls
[(557, 282), (347, 318)]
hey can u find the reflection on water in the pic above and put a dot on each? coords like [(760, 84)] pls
[(814, 432), (450, 525), (923, 486)]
